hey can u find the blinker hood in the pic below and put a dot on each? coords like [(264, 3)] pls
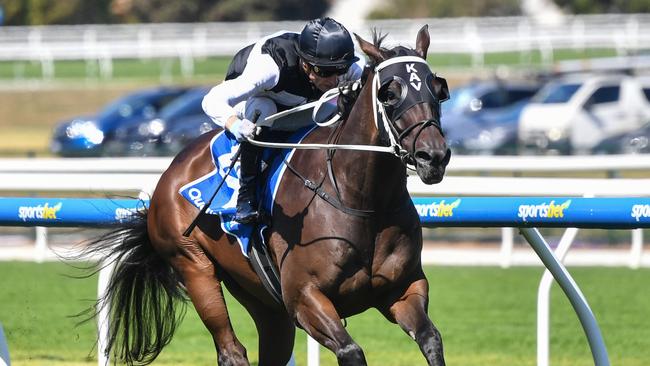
[(416, 81)]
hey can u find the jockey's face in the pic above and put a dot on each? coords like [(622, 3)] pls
[(323, 79)]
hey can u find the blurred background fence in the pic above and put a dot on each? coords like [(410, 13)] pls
[(624, 33), (132, 176)]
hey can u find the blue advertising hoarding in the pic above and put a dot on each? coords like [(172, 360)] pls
[(612, 213)]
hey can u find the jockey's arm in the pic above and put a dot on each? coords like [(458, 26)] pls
[(261, 74)]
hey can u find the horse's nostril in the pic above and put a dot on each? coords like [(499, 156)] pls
[(432, 157), (422, 156)]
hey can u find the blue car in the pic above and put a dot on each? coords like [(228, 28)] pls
[(633, 142), (167, 133), (482, 117), (88, 135), (179, 135)]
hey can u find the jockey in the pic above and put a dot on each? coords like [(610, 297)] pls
[(280, 71)]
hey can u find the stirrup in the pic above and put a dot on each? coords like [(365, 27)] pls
[(246, 213), (247, 218)]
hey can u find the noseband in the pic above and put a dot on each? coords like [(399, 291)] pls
[(414, 91)]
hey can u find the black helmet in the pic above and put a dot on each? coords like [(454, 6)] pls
[(325, 42)]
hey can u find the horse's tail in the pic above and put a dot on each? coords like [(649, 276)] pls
[(141, 294)]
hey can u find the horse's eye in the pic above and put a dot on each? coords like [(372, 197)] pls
[(385, 95), (390, 95)]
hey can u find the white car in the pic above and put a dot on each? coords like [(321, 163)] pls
[(574, 113)]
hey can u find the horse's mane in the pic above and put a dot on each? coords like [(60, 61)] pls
[(378, 38), (346, 101)]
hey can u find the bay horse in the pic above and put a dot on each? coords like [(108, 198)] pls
[(333, 261)]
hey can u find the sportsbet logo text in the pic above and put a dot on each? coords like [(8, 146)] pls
[(41, 212), (440, 209), (544, 210), (639, 211)]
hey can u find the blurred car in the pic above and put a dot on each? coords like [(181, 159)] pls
[(88, 135), (633, 142), (482, 117), (177, 123), (575, 112), (179, 135)]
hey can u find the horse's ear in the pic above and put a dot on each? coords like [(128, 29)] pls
[(422, 41), (370, 49), (440, 88)]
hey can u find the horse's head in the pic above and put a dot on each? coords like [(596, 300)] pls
[(407, 97)]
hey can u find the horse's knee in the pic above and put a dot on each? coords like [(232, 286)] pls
[(232, 355), (350, 354)]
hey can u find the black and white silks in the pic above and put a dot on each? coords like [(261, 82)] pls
[(266, 74)]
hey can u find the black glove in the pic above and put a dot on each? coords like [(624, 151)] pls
[(349, 90)]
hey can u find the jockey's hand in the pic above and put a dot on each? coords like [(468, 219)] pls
[(347, 87), (349, 90), (243, 130)]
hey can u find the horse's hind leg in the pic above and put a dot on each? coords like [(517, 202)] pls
[(204, 289), (410, 312), (318, 317)]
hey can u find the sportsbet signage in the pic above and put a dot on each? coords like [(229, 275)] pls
[(40, 212), (533, 211)]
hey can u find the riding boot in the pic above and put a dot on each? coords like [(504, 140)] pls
[(247, 205)]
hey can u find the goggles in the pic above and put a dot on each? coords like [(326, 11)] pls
[(327, 71)]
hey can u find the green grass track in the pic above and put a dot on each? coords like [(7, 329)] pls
[(486, 316)]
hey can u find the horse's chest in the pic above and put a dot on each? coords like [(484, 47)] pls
[(388, 265), (397, 254)]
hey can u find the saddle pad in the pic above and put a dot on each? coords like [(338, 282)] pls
[(223, 147)]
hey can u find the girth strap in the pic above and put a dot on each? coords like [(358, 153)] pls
[(263, 266)]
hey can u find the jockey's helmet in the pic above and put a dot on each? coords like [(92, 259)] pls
[(325, 42)]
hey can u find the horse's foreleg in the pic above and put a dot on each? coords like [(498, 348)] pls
[(275, 329), (410, 312), (318, 317), (204, 289), (276, 336)]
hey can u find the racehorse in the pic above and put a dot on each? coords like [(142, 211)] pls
[(336, 257)]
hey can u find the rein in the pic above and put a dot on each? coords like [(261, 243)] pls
[(379, 113), (336, 202), (388, 126)]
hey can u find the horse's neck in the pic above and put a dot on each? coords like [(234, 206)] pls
[(379, 178)]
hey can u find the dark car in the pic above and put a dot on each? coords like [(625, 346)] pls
[(179, 135), (482, 117), (634, 142), (183, 119), (87, 136)]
